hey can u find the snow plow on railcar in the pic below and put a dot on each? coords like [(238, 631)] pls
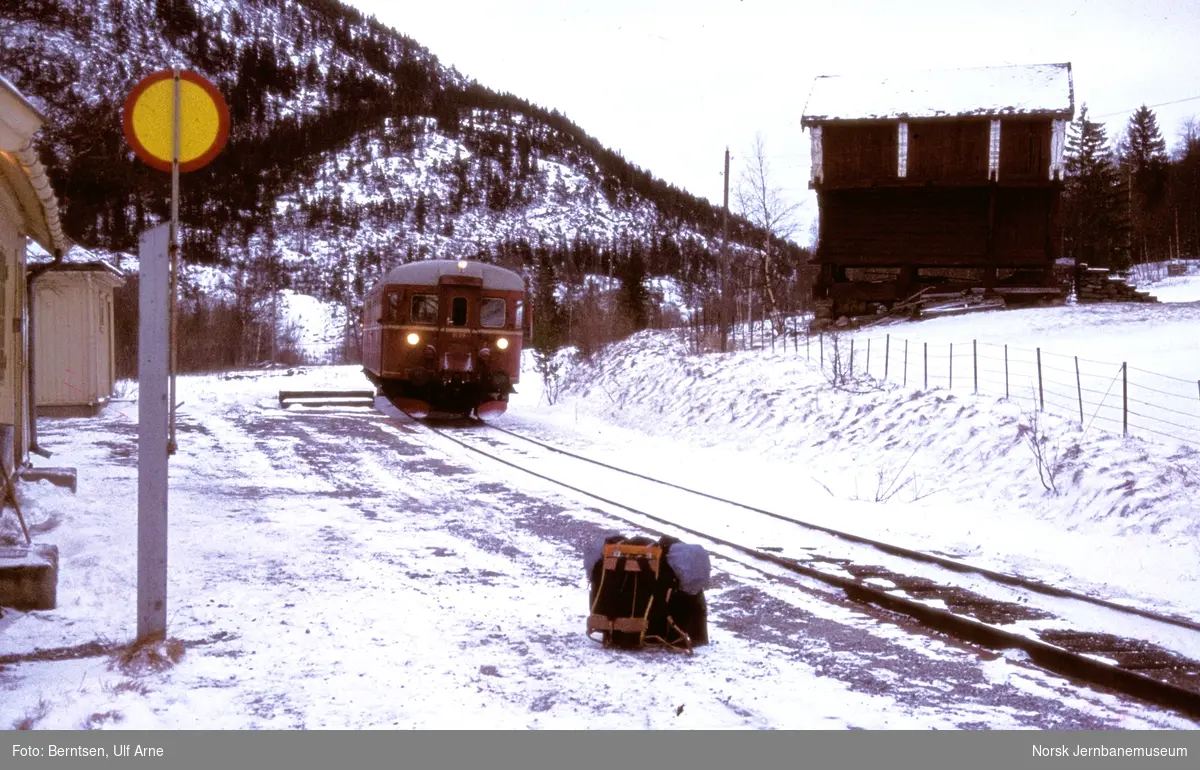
[(444, 337)]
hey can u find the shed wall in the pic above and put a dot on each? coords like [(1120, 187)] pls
[(948, 151), (859, 153), (934, 226), (1025, 150), (64, 373)]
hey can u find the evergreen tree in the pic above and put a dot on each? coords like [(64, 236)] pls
[(633, 295), (1144, 168), (1095, 221), (548, 329), (419, 212)]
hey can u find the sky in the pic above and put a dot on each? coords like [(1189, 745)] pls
[(670, 83)]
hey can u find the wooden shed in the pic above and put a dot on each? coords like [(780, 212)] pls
[(937, 181), (28, 211), (73, 364)]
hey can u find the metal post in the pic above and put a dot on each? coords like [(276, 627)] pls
[(906, 363), (887, 352), (1041, 391), (1079, 390), (951, 366), (851, 370), (153, 430), (724, 307), (975, 364), (926, 366), (174, 250), (868, 369), (1006, 371), (1125, 398), (821, 344)]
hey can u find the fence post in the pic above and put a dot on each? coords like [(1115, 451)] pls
[(975, 364), (821, 344), (1006, 371), (926, 366), (1079, 390), (1125, 398), (868, 368), (887, 352), (951, 386), (905, 364), (851, 369), (1041, 392)]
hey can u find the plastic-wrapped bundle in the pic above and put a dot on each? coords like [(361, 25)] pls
[(691, 565)]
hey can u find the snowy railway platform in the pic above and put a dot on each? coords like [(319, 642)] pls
[(329, 568)]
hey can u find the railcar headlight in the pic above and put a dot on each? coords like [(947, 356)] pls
[(502, 343), (413, 339)]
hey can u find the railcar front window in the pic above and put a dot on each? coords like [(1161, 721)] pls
[(458, 311), (392, 307), (424, 308), (491, 313)]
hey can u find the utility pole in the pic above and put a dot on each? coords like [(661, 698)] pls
[(725, 262), (1178, 251)]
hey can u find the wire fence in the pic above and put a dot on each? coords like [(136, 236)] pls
[(1107, 395)]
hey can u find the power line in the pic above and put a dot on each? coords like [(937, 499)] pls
[(1163, 104)]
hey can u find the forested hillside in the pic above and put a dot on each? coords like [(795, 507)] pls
[(351, 149)]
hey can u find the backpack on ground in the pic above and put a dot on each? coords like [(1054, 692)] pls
[(647, 592)]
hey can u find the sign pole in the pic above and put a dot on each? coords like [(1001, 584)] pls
[(174, 248), (153, 125), (153, 357)]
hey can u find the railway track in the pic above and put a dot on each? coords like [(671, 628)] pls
[(1128, 649)]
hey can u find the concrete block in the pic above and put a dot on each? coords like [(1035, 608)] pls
[(29, 577)]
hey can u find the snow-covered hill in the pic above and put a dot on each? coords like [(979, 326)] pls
[(351, 149)]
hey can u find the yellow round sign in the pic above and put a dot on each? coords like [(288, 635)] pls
[(149, 117)]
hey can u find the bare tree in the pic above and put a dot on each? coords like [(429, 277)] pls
[(765, 206), (1189, 137)]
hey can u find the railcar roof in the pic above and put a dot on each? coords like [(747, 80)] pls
[(428, 272), (1032, 89)]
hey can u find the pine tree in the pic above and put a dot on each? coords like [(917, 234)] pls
[(1095, 221), (1144, 168), (547, 335), (633, 295)]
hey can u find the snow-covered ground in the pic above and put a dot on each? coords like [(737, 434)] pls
[(335, 568), (939, 470)]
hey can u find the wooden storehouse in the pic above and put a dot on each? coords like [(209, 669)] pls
[(73, 358), (937, 182), (28, 212)]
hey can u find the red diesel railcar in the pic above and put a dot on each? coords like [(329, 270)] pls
[(444, 336)]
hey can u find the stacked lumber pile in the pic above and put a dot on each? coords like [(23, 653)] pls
[(1098, 284)]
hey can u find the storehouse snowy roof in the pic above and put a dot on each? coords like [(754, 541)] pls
[(1033, 89), (428, 272)]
